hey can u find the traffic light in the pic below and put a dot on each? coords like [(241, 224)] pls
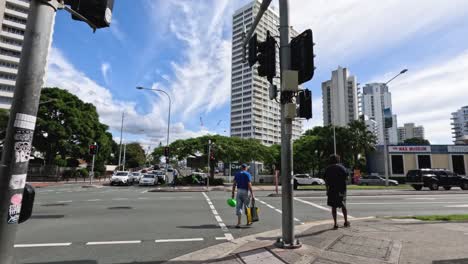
[(93, 149), (265, 54), (302, 56), (305, 104), (98, 12), (166, 151)]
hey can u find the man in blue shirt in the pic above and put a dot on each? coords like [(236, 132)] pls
[(243, 182)]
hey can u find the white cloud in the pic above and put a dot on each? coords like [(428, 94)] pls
[(428, 95), (346, 30), (61, 73), (105, 67), (200, 80), (116, 31)]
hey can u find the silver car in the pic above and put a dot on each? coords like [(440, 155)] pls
[(136, 176), (148, 179), (121, 178)]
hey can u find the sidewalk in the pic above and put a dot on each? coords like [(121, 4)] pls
[(49, 184), (367, 241)]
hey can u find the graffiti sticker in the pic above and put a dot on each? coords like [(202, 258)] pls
[(23, 139), (18, 181), (14, 213)]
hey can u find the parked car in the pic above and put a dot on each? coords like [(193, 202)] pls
[(306, 179), (148, 179), (435, 178), (135, 177), (376, 180), (120, 178)]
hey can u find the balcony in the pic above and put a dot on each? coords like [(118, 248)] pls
[(6, 94), (7, 82), (12, 35), (14, 24), (9, 58), (8, 70), (16, 13), (10, 46), (21, 3)]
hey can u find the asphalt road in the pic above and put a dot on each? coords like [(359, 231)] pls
[(71, 224)]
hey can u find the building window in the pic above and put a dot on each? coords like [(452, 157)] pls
[(397, 165), (458, 164), (424, 161)]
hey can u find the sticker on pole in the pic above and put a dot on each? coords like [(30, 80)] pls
[(23, 139), (25, 121), (14, 209), (18, 181)]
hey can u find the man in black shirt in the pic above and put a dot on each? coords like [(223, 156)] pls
[(335, 179)]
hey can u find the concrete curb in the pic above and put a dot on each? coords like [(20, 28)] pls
[(223, 250), (203, 189)]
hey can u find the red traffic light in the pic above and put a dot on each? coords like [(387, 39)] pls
[(93, 149)]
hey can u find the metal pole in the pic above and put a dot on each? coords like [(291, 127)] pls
[(18, 141), (209, 174), (385, 153), (121, 135), (168, 131), (286, 135), (92, 171), (123, 161), (263, 8)]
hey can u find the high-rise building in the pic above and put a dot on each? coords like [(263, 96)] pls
[(409, 130), (375, 98), (460, 125), (340, 99), (253, 114), (13, 17)]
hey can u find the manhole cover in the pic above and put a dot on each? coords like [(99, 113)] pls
[(120, 208), (47, 216), (55, 204), (362, 246)]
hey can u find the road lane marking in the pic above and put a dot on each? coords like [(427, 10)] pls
[(225, 237), (113, 242), (421, 198), (93, 200), (457, 206), (277, 210), (178, 240), (403, 203), (68, 201), (319, 206), (145, 191), (43, 245), (218, 218), (120, 199), (143, 198)]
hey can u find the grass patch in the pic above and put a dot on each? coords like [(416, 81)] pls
[(357, 187), (454, 217)]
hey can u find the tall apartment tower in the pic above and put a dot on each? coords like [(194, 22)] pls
[(253, 114), (375, 98), (460, 126), (340, 98), (409, 130), (13, 17)]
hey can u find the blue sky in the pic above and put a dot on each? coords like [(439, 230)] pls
[(184, 48)]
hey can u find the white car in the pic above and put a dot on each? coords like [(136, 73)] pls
[(305, 179), (161, 176), (120, 178), (135, 177), (148, 179)]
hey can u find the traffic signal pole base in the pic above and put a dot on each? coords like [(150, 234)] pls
[(280, 244)]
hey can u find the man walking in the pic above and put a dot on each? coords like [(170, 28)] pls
[(243, 182), (335, 179)]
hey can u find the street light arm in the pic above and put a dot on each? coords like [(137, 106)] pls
[(400, 73)]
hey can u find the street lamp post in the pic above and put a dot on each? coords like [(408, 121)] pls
[(168, 117), (384, 129)]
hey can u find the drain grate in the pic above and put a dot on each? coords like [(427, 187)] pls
[(362, 246), (120, 208), (55, 204)]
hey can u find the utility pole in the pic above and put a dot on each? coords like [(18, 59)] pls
[(288, 239), (91, 177), (121, 135), (18, 142), (123, 162), (209, 167)]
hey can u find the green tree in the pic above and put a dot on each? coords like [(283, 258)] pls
[(135, 155), (362, 141), (416, 141), (65, 128), (4, 117)]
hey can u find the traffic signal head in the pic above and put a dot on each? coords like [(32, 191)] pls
[(253, 50), (93, 149), (166, 151), (98, 12), (305, 104), (267, 58), (302, 55)]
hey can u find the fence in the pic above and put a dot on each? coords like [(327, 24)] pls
[(51, 173)]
